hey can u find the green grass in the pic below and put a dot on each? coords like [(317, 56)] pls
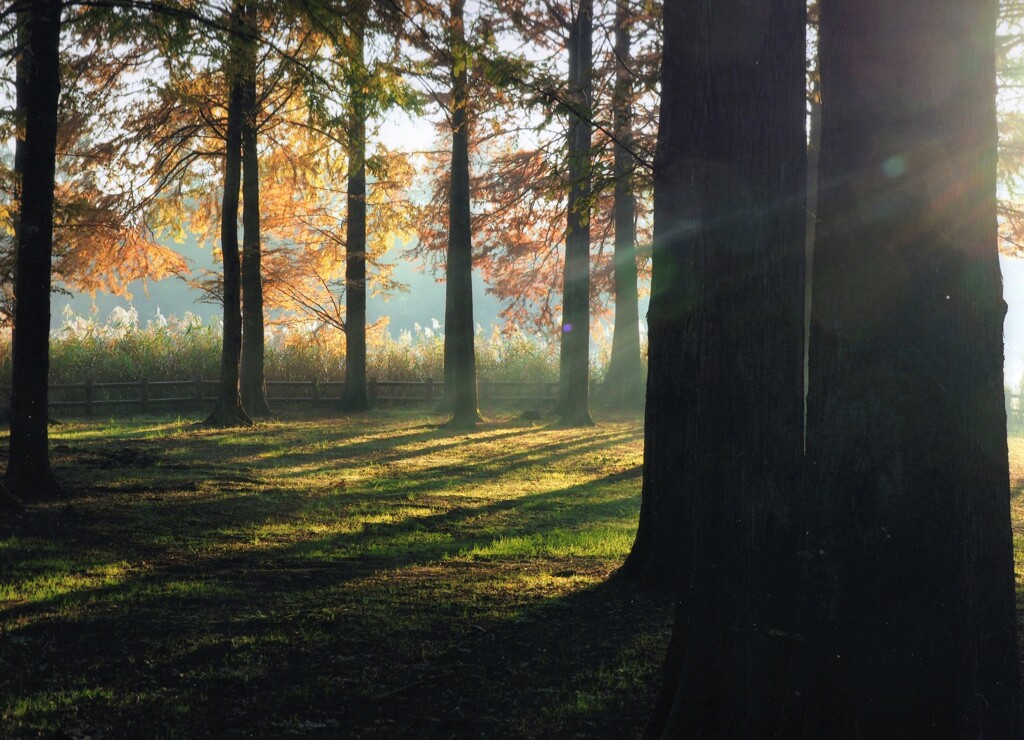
[(373, 576)]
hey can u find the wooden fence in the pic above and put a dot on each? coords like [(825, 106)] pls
[(154, 395)]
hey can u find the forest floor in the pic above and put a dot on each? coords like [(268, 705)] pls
[(365, 576)]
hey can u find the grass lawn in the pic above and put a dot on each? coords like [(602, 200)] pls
[(368, 576)]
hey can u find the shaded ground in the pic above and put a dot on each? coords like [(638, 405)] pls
[(366, 577)]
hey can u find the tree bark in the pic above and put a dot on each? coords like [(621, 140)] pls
[(251, 380), (623, 385), (29, 475), (229, 410), (574, 386), (731, 169), (460, 354), (356, 397), (909, 527)]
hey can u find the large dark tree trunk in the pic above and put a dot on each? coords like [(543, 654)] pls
[(28, 473), (909, 503), (574, 386), (731, 167), (251, 379), (657, 552), (229, 410), (460, 354), (356, 397), (624, 382)]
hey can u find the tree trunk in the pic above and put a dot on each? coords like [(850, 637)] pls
[(909, 521), (731, 167), (356, 397), (657, 552), (623, 383), (574, 388), (28, 473), (460, 355), (229, 410), (21, 110), (251, 380)]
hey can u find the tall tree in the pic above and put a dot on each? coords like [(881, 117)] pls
[(1010, 84), (574, 364), (459, 350), (229, 410), (99, 241), (28, 468), (251, 381), (672, 377), (623, 382), (909, 490), (356, 397), (729, 187)]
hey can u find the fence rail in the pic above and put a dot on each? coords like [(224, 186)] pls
[(151, 395)]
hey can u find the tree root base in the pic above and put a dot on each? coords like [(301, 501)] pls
[(227, 415)]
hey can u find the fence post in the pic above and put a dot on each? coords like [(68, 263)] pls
[(371, 389), (143, 393), (429, 389), (314, 391), (198, 389), (88, 397)]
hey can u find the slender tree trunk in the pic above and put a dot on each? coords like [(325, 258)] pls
[(28, 473), (624, 382), (909, 520), (731, 165), (460, 354), (229, 410), (356, 397), (574, 402), (7, 501), (21, 112), (251, 380)]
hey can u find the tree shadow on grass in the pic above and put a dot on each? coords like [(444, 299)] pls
[(461, 472), (434, 652), (381, 631), (333, 559), (580, 665), (268, 635)]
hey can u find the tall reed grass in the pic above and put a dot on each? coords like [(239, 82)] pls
[(122, 348)]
